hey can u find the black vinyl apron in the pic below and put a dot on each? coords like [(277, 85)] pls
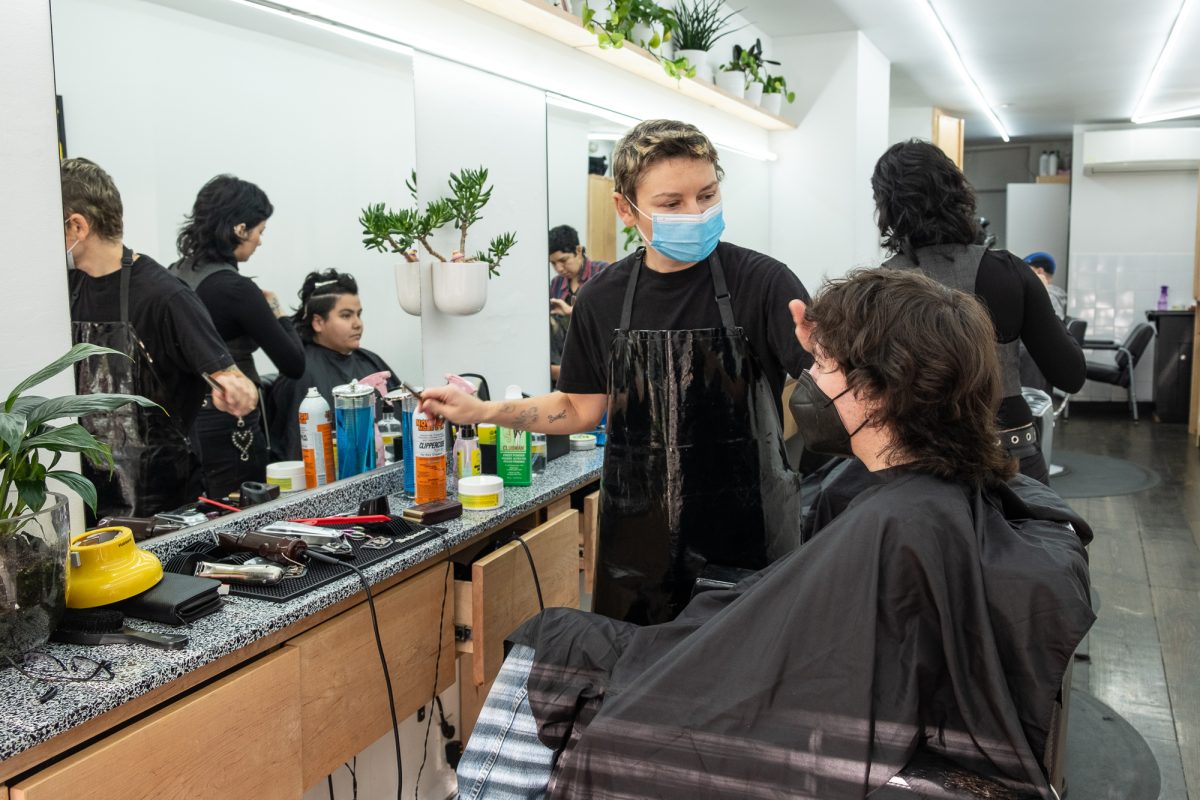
[(153, 465), (694, 467)]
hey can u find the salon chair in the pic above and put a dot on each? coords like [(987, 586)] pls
[(1128, 354)]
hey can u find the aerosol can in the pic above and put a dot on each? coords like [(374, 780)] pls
[(316, 440)]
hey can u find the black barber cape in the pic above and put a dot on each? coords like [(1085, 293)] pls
[(927, 614)]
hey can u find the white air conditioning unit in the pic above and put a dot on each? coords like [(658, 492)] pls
[(1141, 150)]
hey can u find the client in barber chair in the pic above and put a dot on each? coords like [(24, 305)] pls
[(938, 612)]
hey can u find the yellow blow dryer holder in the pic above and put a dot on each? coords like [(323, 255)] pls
[(105, 566)]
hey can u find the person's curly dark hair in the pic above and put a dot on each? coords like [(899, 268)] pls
[(224, 202), (912, 346), (318, 296), (922, 199)]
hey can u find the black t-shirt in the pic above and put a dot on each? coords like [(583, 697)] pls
[(1020, 307), (238, 308), (760, 289), (169, 319)]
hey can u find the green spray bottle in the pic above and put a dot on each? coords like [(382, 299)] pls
[(514, 456)]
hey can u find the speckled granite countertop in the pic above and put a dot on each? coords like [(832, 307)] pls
[(25, 723)]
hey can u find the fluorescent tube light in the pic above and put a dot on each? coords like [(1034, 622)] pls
[(1156, 74), (955, 57), (328, 25)]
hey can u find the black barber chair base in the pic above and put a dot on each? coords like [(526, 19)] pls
[(1107, 759)]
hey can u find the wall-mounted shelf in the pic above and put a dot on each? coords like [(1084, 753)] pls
[(551, 21)]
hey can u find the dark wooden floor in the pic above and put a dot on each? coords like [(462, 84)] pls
[(1145, 645)]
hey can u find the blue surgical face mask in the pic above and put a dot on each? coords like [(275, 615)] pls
[(70, 255), (685, 237)]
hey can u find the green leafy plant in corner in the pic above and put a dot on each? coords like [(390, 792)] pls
[(398, 231), (748, 60), (678, 68), (700, 24), (26, 437), (777, 84)]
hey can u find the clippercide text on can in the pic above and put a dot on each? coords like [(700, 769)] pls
[(429, 457)]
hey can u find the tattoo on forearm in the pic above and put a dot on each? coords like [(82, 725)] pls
[(508, 408), (556, 417), (526, 418)]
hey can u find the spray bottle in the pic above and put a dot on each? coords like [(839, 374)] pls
[(316, 440), (513, 452), (466, 453)]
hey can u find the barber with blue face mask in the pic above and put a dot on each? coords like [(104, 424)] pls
[(686, 344)]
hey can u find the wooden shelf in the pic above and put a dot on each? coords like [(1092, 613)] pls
[(1063, 178), (552, 21)]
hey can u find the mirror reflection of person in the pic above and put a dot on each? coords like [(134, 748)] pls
[(926, 215), (127, 301), (1044, 267), (330, 322), (223, 231), (569, 259), (686, 344)]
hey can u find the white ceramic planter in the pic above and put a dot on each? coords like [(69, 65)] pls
[(408, 287), (699, 60), (460, 288), (772, 103), (754, 92), (733, 82)]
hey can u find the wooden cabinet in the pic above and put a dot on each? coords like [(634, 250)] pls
[(237, 737), (601, 240), (588, 527), (948, 134), (343, 698)]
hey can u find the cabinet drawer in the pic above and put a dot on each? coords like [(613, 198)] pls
[(237, 737), (343, 698), (587, 534), (502, 594)]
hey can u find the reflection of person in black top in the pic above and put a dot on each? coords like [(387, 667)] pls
[(330, 323), (224, 230), (926, 213), (170, 341)]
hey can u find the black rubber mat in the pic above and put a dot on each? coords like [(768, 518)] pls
[(1087, 475)]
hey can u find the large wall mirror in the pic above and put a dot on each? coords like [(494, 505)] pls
[(166, 95)]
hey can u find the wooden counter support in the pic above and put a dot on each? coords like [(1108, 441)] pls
[(232, 738), (343, 699), (588, 526)]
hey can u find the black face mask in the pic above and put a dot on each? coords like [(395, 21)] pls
[(818, 419)]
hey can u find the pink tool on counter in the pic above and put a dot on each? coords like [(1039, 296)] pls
[(462, 384)]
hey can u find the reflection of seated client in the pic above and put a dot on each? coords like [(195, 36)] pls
[(330, 324), (569, 259), (939, 610)]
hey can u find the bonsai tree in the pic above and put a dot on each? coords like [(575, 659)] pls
[(699, 24), (26, 435), (777, 84), (398, 231)]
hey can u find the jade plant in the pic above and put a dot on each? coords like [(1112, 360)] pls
[(400, 230), (26, 437)]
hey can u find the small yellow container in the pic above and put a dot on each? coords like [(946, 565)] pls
[(481, 493)]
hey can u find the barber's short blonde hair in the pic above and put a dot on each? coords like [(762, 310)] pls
[(655, 140), (88, 190)]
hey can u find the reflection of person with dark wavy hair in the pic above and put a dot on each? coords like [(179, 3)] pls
[(926, 215), (224, 229), (935, 615)]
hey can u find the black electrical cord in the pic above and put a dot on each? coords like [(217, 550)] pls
[(536, 583), (437, 662), (329, 778), (387, 677)]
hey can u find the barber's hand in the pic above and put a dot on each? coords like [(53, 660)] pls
[(453, 404), (273, 302), (238, 395), (560, 307), (804, 328)]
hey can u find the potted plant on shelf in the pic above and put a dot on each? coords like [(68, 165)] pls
[(775, 89), (460, 282), (34, 522), (699, 25), (642, 22)]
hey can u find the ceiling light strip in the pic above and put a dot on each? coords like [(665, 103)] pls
[(1156, 73), (956, 57)]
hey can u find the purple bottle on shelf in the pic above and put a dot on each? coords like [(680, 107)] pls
[(1163, 302)]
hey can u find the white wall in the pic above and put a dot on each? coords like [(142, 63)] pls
[(821, 211), (1130, 234), (910, 122), (509, 341), (1038, 219), (745, 200), (567, 170), (172, 99), (37, 326)]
